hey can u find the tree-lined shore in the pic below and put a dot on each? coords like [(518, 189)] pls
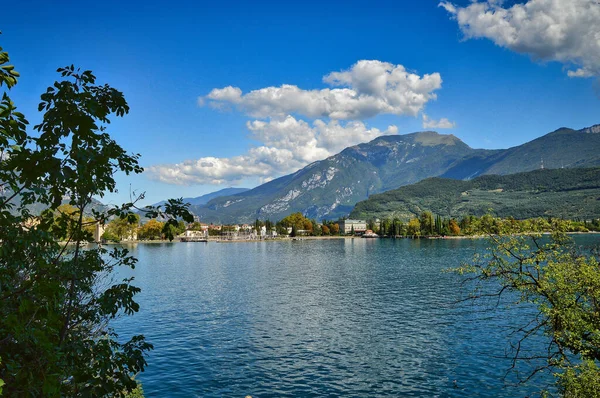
[(427, 225)]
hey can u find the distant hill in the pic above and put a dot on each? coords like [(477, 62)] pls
[(200, 200), (38, 208), (331, 187), (567, 193), (562, 148)]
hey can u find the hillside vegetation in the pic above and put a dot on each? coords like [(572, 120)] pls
[(562, 193)]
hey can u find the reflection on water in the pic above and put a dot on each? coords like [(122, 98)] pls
[(353, 317)]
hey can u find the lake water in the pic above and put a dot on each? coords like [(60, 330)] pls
[(344, 317)]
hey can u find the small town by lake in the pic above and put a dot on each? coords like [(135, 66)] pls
[(328, 317)]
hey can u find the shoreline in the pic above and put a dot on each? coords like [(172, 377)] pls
[(299, 238), (302, 238)]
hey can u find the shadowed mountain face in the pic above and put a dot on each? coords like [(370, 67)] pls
[(37, 208), (330, 188), (560, 149), (200, 200)]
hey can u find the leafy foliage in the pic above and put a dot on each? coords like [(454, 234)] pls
[(56, 300), (66, 218), (151, 230), (563, 283), (122, 228), (298, 221), (8, 74)]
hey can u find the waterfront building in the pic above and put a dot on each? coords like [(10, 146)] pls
[(359, 226)]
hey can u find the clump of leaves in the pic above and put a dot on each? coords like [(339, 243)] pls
[(562, 281), (57, 300)]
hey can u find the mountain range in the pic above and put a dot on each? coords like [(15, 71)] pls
[(331, 187), (200, 200)]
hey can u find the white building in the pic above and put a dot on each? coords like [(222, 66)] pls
[(195, 234), (359, 226), (247, 227)]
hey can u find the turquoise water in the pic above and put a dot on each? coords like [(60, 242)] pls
[(353, 317)]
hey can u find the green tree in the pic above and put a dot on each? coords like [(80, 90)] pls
[(122, 228), (398, 227), (195, 226), (297, 220), (371, 224), (138, 392), (335, 229), (427, 223), (280, 228), (66, 219), (55, 300), (1, 381), (258, 225), (151, 230), (268, 225), (563, 283), (316, 229), (468, 224), (174, 229), (439, 225), (414, 227)]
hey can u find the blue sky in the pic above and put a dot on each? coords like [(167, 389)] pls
[(496, 89)]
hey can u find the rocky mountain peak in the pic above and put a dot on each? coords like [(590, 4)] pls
[(433, 138), (424, 138), (592, 130)]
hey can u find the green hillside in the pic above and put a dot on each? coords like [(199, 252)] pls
[(565, 193), (563, 148)]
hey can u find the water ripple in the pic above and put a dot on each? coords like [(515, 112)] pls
[(350, 318)]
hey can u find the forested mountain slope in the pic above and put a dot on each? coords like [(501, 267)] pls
[(566, 193)]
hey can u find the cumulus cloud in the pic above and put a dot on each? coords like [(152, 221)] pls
[(288, 144), (443, 123), (567, 31), (367, 89), (229, 94)]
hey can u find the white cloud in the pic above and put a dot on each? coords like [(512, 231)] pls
[(209, 170), (581, 72), (567, 31), (295, 136), (443, 123), (288, 144), (229, 94), (367, 89), (334, 137)]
